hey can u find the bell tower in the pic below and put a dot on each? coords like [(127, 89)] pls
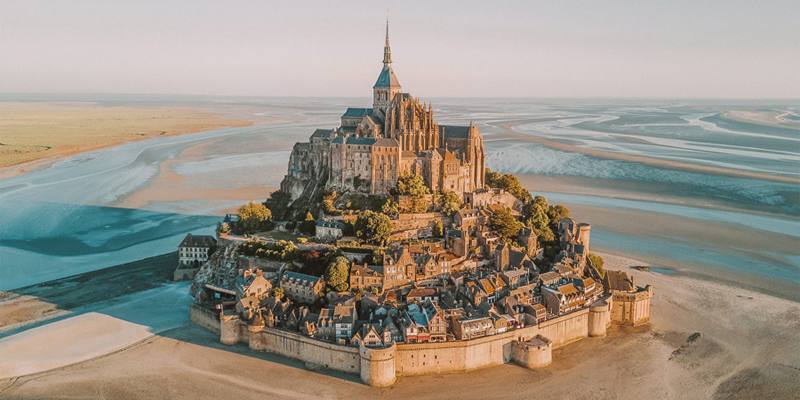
[(387, 85)]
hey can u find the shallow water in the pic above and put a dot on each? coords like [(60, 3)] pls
[(67, 219)]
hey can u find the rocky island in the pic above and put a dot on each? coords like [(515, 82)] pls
[(390, 250)]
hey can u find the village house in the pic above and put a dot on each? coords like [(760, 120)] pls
[(471, 328), (193, 251), (328, 230), (364, 277), (562, 299), (302, 288)]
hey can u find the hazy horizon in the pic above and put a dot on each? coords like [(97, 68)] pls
[(536, 50)]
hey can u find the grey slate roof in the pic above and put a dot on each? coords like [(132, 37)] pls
[(322, 133), (453, 131), (198, 241), (354, 112)]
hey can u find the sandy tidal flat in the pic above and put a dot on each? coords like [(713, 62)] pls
[(36, 130), (747, 347)]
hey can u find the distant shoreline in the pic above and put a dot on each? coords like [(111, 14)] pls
[(59, 129)]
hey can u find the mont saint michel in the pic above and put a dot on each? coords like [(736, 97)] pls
[(373, 147), (361, 200), (441, 267)]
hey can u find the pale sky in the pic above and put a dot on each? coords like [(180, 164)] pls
[(676, 48)]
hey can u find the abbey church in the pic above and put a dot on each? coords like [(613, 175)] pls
[(372, 147)]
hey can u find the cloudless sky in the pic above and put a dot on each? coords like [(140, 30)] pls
[(676, 48)]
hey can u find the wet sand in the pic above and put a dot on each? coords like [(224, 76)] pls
[(509, 133), (747, 347)]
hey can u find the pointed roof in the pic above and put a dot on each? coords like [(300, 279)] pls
[(387, 78)]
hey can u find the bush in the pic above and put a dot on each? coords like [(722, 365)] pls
[(597, 262), (449, 203), (509, 183), (255, 217), (438, 229), (279, 251)]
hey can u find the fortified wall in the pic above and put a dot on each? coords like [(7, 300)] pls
[(530, 347)]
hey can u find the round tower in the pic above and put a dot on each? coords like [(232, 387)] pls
[(377, 365), (584, 230), (228, 328), (534, 353), (599, 318)]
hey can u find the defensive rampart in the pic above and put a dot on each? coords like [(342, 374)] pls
[(530, 346)]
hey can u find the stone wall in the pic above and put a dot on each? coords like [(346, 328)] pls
[(457, 356), (381, 366), (204, 318), (311, 351)]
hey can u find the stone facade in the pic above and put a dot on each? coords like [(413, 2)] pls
[(373, 147)]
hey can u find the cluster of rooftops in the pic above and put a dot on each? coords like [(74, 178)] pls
[(498, 293)]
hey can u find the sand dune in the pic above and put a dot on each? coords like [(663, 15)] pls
[(747, 347)]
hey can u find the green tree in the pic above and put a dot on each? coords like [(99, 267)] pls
[(509, 183), (390, 208), (505, 224), (278, 202), (597, 262), (449, 203), (254, 217), (556, 213), (337, 274), (414, 187), (224, 228), (438, 228), (536, 213), (308, 226), (373, 227)]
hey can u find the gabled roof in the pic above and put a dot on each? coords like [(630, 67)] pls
[(454, 131), (198, 241), (322, 133), (387, 78), (619, 280), (354, 112), (386, 142)]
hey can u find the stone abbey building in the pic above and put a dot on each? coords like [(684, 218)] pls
[(372, 147)]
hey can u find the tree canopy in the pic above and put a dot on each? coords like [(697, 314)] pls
[(337, 274), (412, 185), (509, 183), (449, 203), (255, 217), (505, 224), (597, 262), (278, 202), (373, 227)]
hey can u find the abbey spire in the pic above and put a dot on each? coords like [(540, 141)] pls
[(387, 85), (387, 50)]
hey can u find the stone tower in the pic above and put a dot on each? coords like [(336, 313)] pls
[(387, 85)]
